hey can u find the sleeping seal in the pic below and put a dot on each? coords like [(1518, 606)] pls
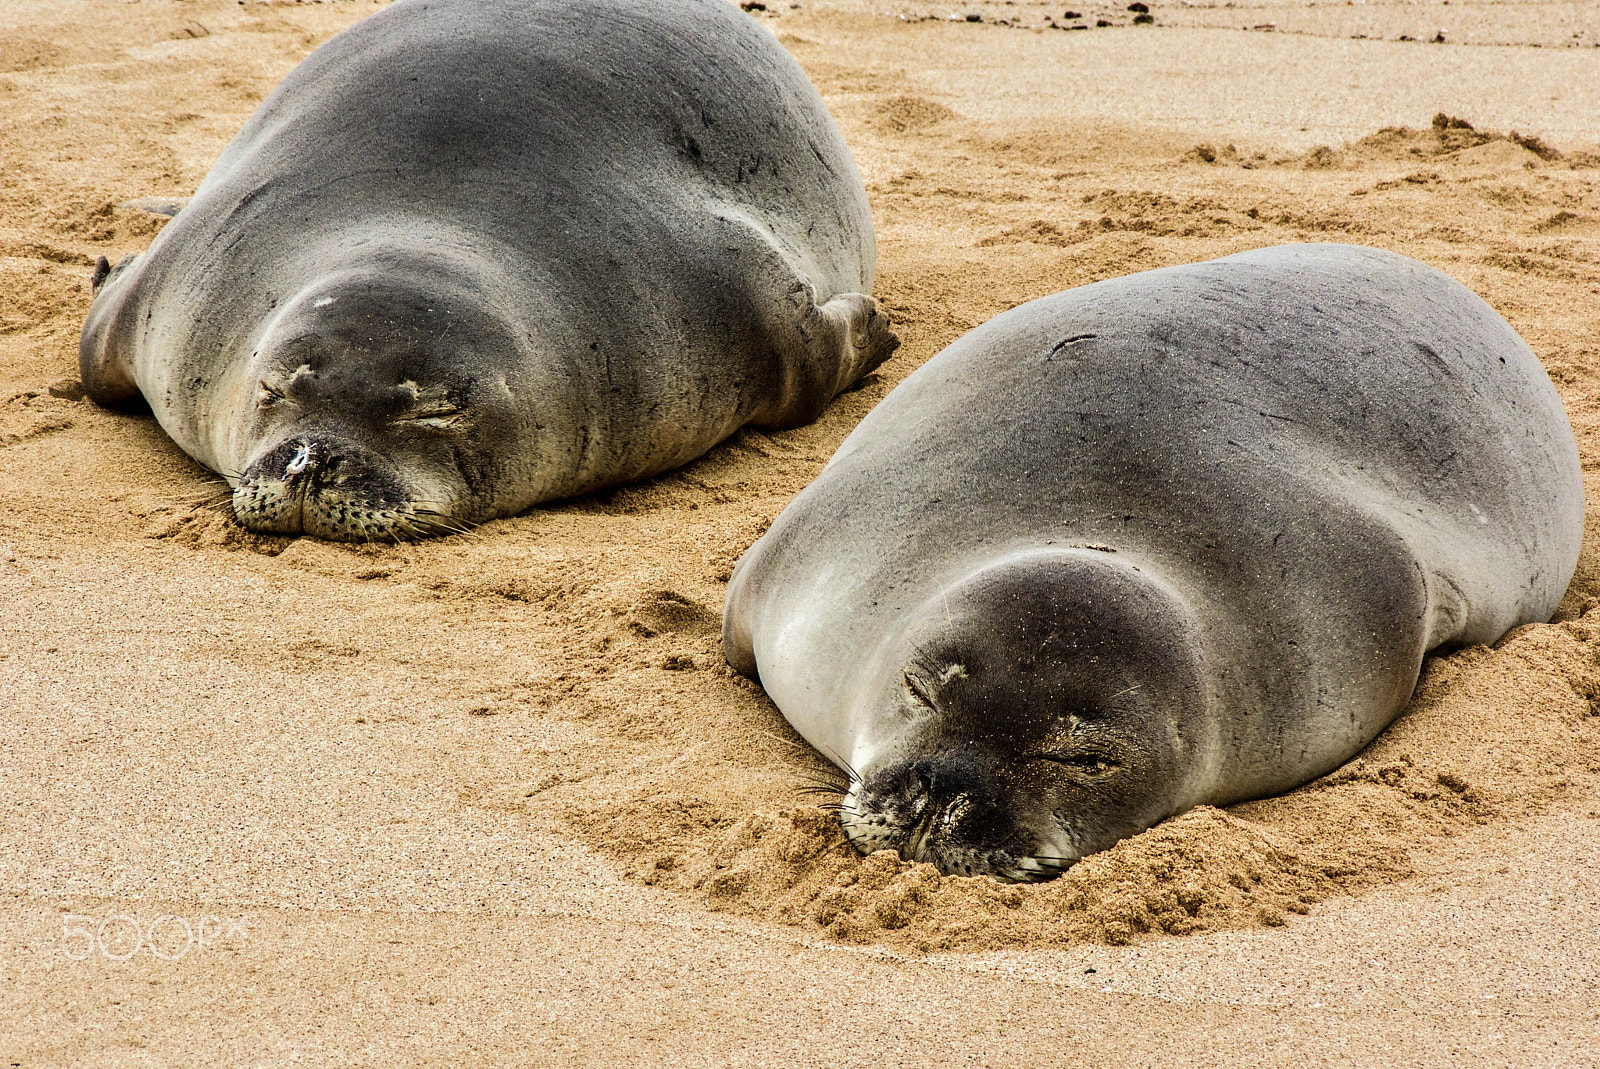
[(476, 254), (1177, 538)]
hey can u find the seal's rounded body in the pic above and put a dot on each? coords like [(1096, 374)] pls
[(1177, 538), (471, 256)]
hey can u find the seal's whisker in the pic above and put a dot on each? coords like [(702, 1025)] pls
[(805, 750), (432, 521), (855, 777), (212, 499), (829, 791), (222, 506), (827, 774), (424, 509), (451, 528), (225, 491), (825, 785), (787, 742)]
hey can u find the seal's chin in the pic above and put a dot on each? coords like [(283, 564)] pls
[(338, 492), (961, 828)]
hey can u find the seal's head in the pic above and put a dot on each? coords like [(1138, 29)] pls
[(379, 409), (1040, 710)]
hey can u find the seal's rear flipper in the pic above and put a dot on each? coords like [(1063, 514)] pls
[(167, 206), (737, 647), (107, 378)]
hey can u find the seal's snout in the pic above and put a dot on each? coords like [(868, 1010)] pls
[(949, 809), (328, 488), (952, 803), (961, 797)]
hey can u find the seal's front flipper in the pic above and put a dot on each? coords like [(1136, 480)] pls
[(839, 342), (867, 328), (104, 272), (738, 649), (817, 347)]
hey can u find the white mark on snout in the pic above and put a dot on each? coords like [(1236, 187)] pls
[(302, 457), (322, 302), (955, 671)]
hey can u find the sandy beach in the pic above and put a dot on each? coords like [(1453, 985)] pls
[(495, 799)]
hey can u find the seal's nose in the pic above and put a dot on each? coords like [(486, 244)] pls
[(311, 462), (321, 485), (952, 774), (956, 801), (298, 463)]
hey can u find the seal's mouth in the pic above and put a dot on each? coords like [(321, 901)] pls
[(334, 490), (960, 832)]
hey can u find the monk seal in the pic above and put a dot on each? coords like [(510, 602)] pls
[(1177, 538), (472, 255)]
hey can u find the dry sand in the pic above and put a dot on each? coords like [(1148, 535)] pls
[(496, 800)]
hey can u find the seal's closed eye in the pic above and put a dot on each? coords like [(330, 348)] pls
[(917, 689), (434, 418), (1089, 764)]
